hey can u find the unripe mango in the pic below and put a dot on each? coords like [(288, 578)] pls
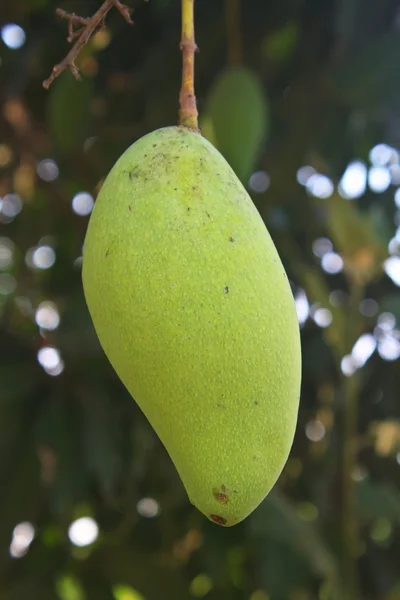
[(193, 308)]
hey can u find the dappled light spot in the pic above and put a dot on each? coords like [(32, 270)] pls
[(82, 204), (302, 306), (11, 205), (354, 181), (392, 269), (322, 317), (348, 365), (259, 182), (22, 537), (322, 246), (41, 257), (394, 171), (379, 179), (320, 186), (363, 349), (304, 173), (332, 263), (148, 508), (315, 431), (50, 359), (386, 321), (381, 155), (389, 348), (359, 473), (47, 316), (83, 532), (47, 169), (13, 36)]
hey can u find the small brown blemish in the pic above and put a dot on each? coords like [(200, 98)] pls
[(208, 215), (221, 495), (218, 519), (130, 208), (231, 239), (226, 290), (256, 403), (188, 209), (107, 253)]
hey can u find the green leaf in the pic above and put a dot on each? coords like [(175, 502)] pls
[(236, 119), (68, 111), (277, 518), (125, 592), (280, 45), (69, 588), (355, 237)]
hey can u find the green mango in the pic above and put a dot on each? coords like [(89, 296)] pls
[(193, 308)]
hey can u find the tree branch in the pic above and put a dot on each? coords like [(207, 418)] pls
[(86, 28)]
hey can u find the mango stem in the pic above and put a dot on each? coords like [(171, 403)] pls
[(188, 115)]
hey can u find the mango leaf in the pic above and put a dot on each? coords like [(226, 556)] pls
[(280, 45), (370, 76), (277, 518), (355, 238), (68, 112), (236, 119)]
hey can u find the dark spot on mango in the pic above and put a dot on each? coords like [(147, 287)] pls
[(231, 239), (221, 494), (226, 289), (218, 519), (208, 215), (130, 208)]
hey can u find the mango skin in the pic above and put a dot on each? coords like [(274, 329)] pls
[(193, 309)]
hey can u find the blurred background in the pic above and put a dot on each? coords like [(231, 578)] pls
[(303, 99)]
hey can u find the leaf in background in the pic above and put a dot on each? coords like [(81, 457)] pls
[(100, 430), (69, 588), (124, 592), (277, 518), (281, 44), (355, 238), (236, 113), (68, 111), (371, 76), (377, 499)]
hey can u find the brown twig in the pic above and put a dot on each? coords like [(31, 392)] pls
[(86, 28)]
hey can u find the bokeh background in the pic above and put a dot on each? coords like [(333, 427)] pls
[(303, 98)]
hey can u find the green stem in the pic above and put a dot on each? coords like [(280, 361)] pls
[(188, 115), (351, 389)]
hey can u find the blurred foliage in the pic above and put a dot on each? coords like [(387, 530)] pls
[(318, 86)]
